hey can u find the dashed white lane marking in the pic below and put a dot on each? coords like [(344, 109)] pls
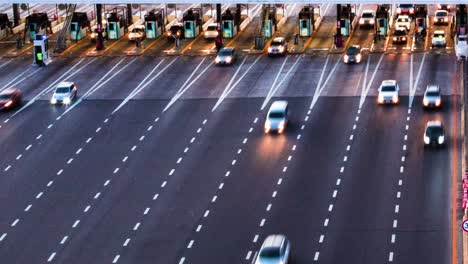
[(179, 160), (393, 238), (7, 168), (64, 239), (390, 257), (316, 256), (248, 255), (199, 227), (28, 207), (116, 170), (70, 161), (28, 147), (142, 138), (87, 209), (268, 207), (15, 222), (126, 242), (98, 129), (335, 192), (214, 199), (398, 194), (274, 194), (190, 244), (49, 126), (395, 223), (3, 236), (330, 207), (97, 195), (59, 172), (207, 212), (77, 222), (107, 182), (338, 181), (39, 195), (78, 151), (146, 211), (397, 208), (133, 148), (262, 223), (39, 137), (19, 156), (125, 159), (51, 257), (89, 139), (255, 239), (322, 237), (325, 223), (116, 259)]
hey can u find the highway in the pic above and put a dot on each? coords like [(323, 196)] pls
[(164, 159)]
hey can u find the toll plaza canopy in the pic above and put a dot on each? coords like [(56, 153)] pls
[(236, 1)]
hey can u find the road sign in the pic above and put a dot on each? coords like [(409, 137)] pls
[(465, 225)]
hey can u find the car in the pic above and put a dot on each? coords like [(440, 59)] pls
[(277, 117), (434, 134), (211, 31), (226, 56), (278, 47), (432, 96), (405, 9), (438, 39), (275, 249), (353, 54), (400, 36), (10, 98), (64, 93), (367, 19), (138, 32), (403, 21), (388, 92), (441, 17), (94, 32), (175, 31), (444, 7)]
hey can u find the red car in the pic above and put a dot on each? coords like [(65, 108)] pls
[(10, 98)]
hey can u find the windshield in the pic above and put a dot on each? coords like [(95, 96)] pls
[(405, 5), (367, 15), (225, 53), (388, 88), (434, 131), (276, 114), (211, 28), (399, 33), (62, 90), (5, 96), (174, 29), (441, 13), (403, 20), (270, 252), (276, 43), (352, 51), (439, 36), (137, 30), (432, 94)]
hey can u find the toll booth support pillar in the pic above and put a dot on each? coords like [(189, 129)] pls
[(100, 38), (238, 17), (338, 18), (218, 13), (129, 15), (16, 15)]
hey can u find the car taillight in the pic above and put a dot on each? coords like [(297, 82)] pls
[(9, 103)]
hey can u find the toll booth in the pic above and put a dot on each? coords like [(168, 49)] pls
[(269, 22), (154, 23), (231, 20), (306, 21), (461, 20), (36, 24), (192, 23), (5, 25), (116, 23), (79, 26), (347, 15), (421, 18), (41, 50), (383, 19)]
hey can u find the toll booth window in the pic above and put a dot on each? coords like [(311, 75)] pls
[(367, 15), (382, 23), (111, 26), (226, 24), (187, 25), (342, 23), (149, 26), (73, 27), (31, 27), (304, 23)]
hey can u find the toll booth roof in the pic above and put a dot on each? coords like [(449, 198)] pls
[(4, 19), (154, 16), (37, 18), (80, 17), (113, 17)]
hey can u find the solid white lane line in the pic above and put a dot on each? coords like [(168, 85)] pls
[(415, 86), (137, 225), (369, 84)]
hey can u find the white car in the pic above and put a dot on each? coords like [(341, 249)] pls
[(278, 46), (65, 93), (403, 21), (276, 249), (388, 92), (441, 17), (277, 117), (461, 46), (432, 96), (211, 31), (138, 32), (367, 18), (438, 39)]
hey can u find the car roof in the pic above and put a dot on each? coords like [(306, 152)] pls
[(355, 46), (389, 82), (403, 16), (139, 26), (278, 39), (273, 241), (212, 24), (432, 88), (439, 32), (279, 106), (65, 84), (368, 11), (435, 123), (442, 11), (9, 91), (228, 48)]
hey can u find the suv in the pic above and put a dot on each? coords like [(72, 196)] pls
[(407, 9), (226, 56), (353, 54), (441, 17), (175, 31), (276, 249), (403, 21), (211, 31), (65, 93), (388, 92), (278, 46), (432, 97), (438, 39), (277, 117), (434, 134), (367, 19)]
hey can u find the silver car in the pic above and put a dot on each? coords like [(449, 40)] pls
[(277, 117), (226, 56), (278, 46), (275, 250), (388, 92), (432, 97), (65, 93)]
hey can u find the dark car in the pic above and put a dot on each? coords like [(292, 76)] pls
[(226, 56), (405, 9), (400, 36), (443, 7), (176, 31), (353, 54), (434, 134), (10, 98)]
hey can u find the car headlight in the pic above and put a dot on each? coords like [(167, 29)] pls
[(9, 103), (228, 59), (403, 38), (425, 102), (358, 57), (426, 139), (53, 100), (217, 60), (281, 49), (435, 19), (66, 100), (380, 99), (345, 58), (361, 21), (439, 6), (168, 33), (267, 126), (411, 10), (446, 19), (372, 21), (441, 140), (395, 98), (269, 49), (394, 38), (281, 127)]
